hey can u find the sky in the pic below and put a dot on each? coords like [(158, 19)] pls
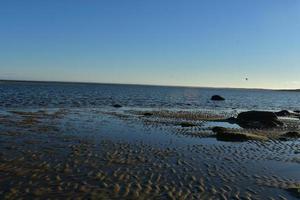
[(205, 43)]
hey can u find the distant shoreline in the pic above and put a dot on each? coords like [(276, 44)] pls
[(289, 90), (133, 84)]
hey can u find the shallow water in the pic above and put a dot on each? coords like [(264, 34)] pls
[(53, 147)]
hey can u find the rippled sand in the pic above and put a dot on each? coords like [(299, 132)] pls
[(96, 154)]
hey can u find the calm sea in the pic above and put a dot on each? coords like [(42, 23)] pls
[(68, 95)]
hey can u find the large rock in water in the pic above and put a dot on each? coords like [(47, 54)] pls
[(217, 98), (258, 119)]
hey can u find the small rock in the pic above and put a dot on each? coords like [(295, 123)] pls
[(147, 114), (292, 134), (117, 106), (219, 129), (186, 124), (217, 98), (284, 139)]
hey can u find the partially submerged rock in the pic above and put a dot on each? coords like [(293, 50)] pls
[(117, 106), (186, 124), (258, 119), (224, 134), (147, 114), (217, 98), (218, 129)]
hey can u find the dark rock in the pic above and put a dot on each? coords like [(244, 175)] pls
[(218, 129), (292, 134), (231, 120), (117, 106), (283, 113), (217, 98), (224, 134), (147, 114), (258, 119), (186, 124), (257, 116), (284, 139), (231, 137), (297, 111)]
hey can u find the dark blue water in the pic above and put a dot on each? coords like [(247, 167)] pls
[(68, 95)]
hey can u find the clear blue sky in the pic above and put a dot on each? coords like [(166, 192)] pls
[(168, 42)]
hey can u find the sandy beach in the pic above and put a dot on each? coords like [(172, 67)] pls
[(120, 153)]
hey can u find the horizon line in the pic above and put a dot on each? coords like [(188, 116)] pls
[(139, 84)]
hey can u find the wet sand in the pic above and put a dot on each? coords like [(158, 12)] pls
[(127, 154)]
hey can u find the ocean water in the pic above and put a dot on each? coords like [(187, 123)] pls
[(68, 95), (55, 121)]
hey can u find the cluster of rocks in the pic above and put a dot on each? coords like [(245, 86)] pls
[(264, 118), (255, 120)]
